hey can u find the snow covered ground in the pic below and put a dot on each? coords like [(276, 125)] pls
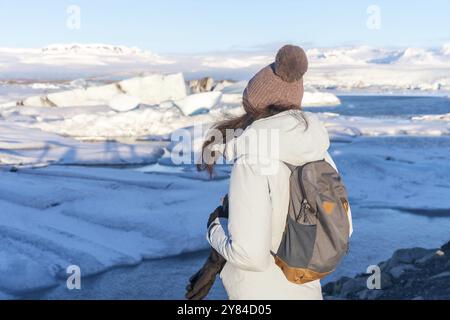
[(86, 176), (100, 218), (96, 219)]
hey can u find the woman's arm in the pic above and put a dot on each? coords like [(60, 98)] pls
[(248, 242)]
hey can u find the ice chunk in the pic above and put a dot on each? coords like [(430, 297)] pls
[(231, 87), (156, 88), (82, 97), (151, 90), (433, 117), (231, 99), (199, 102), (313, 99), (124, 102)]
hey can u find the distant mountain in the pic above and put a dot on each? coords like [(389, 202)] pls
[(368, 55), (93, 49), (335, 68)]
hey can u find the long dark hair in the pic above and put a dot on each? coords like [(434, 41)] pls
[(233, 124)]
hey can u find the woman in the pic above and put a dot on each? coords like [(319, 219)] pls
[(276, 132)]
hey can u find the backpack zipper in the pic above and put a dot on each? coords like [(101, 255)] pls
[(305, 204)]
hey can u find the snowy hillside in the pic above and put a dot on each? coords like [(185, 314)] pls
[(347, 68), (342, 68), (94, 49), (64, 62)]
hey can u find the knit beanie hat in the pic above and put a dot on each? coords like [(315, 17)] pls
[(280, 83)]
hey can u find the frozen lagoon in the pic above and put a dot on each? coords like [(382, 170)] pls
[(61, 215), (385, 220)]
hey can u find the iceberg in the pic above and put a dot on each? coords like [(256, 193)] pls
[(198, 102), (150, 90), (123, 102)]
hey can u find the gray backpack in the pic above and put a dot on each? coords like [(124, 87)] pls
[(316, 236)]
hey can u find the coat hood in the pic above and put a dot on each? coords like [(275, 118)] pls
[(285, 137)]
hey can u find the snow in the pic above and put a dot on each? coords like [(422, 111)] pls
[(235, 63), (315, 98), (138, 107), (342, 68), (361, 68), (228, 87), (96, 219), (102, 49), (124, 103), (22, 146), (156, 88), (45, 86), (231, 99), (71, 61), (433, 117), (360, 126), (446, 49)]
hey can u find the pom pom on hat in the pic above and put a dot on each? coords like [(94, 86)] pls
[(291, 63), (278, 84)]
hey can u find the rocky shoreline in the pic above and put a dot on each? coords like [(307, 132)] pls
[(410, 274)]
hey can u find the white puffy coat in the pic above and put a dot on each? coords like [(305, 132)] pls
[(258, 204)]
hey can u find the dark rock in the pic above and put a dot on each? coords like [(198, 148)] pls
[(445, 274), (201, 85), (446, 248), (386, 280), (427, 258), (409, 283), (352, 287), (383, 265), (397, 271), (334, 288), (332, 298), (410, 274), (408, 256), (370, 294)]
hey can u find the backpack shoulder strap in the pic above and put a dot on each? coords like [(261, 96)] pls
[(290, 166)]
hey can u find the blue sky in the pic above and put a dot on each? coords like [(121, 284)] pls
[(182, 26)]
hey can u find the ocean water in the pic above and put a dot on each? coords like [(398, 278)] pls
[(394, 107)]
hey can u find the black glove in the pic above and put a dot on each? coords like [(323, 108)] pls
[(220, 212), (225, 207), (201, 283)]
